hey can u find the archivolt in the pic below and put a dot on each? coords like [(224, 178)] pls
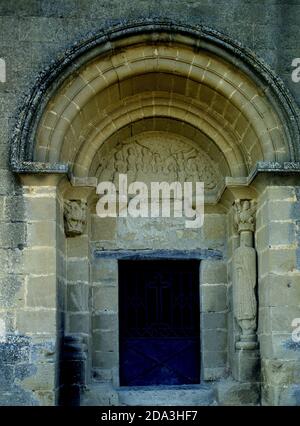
[(184, 82)]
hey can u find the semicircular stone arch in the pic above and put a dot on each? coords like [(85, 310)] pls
[(179, 80)]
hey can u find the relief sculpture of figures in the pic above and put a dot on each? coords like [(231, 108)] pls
[(147, 159), (245, 215), (244, 276)]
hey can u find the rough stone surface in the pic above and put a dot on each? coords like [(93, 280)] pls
[(234, 393)]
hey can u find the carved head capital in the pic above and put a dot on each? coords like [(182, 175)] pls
[(244, 215), (74, 217)]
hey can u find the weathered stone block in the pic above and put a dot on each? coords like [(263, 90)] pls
[(44, 378), (41, 233), (105, 359), (105, 298), (44, 348), (279, 290), (12, 234), (41, 291), (264, 321), (40, 208), (103, 228), (105, 321), (78, 323), (12, 291), (213, 320), (265, 345), (39, 260), (105, 270), (284, 347), (212, 359), (8, 320), (214, 228), (214, 340), (45, 398), (279, 210), (212, 374), (8, 375), (14, 208), (234, 393), (261, 239), (15, 349), (105, 340), (102, 374), (78, 270), (278, 261), (281, 193), (282, 316), (295, 213), (77, 297), (37, 321), (2, 208), (290, 395), (9, 183), (213, 272), (277, 372), (78, 246), (214, 298), (281, 233), (246, 366), (100, 395)]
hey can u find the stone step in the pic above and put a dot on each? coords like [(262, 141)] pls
[(193, 395)]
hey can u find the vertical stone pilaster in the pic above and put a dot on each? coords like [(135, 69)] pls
[(105, 325), (40, 320), (279, 293), (213, 318)]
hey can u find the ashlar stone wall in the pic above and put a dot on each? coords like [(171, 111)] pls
[(277, 239), (32, 35), (39, 310)]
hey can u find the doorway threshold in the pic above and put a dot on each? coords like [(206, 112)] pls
[(162, 395)]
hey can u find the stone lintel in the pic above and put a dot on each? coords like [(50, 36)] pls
[(159, 254)]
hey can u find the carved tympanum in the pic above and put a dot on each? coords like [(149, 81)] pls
[(74, 217), (153, 157)]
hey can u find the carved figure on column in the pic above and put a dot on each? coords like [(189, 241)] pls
[(74, 217), (245, 215), (244, 275)]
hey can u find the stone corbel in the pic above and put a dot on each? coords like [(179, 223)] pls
[(75, 212), (245, 275)]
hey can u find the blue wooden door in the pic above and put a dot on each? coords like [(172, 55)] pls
[(159, 322)]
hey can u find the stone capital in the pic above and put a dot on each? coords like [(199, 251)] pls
[(75, 217), (244, 216)]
